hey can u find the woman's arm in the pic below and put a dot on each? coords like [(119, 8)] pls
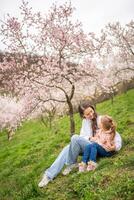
[(117, 141), (86, 129), (96, 137)]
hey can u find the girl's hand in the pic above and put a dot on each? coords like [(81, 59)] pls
[(92, 139), (111, 147)]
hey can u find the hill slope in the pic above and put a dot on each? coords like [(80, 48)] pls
[(34, 148)]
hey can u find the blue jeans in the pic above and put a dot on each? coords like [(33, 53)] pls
[(68, 155), (92, 150)]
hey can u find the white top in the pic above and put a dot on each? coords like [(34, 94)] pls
[(86, 132), (86, 129)]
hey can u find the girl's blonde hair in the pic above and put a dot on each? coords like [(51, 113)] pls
[(108, 124)]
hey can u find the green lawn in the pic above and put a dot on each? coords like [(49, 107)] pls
[(34, 148)]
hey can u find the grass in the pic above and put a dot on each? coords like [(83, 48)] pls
[(35, 147)]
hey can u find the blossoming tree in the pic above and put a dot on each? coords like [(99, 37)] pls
[(46, 54)]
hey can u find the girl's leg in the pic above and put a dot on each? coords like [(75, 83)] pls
[(87, 151), (93, 152), (102, 152), (97, 149), (85, 158)]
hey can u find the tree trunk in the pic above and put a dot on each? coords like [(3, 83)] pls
[(10, 134), (71, 112), (112, 99), (43, 121), (72, 124), (124, 87), (71, 115), (94, 104)]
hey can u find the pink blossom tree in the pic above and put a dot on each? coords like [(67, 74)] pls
[(47, 54), (114, 54), (122, 38), (13, 112)]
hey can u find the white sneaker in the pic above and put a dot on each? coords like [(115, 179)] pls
[(45, 180), (69, 168)]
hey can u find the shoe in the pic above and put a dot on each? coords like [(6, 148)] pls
[(45, 180), (91, 166), (69, 168), (82, 167)]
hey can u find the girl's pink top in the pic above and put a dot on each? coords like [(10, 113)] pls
[(105, 139)]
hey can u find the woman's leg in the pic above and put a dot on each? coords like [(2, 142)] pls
[(76, 147), (58, 164), (55, 168), (67, 156)]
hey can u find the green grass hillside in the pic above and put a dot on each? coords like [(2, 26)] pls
[(34, 148)]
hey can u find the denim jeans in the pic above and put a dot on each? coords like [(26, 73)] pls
[(68, 155), (92, 150)]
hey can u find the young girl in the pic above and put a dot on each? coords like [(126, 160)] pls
[(102, 144)]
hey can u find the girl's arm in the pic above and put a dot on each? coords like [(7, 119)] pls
[(110, 147)]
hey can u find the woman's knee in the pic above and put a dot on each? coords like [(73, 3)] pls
[(74, 138), (65, 149)]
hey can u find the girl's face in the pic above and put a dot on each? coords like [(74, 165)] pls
[(88, 113)]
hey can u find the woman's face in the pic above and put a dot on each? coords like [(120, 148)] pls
[(89, 113)]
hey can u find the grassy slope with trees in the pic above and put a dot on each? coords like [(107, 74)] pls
[(34, 148)]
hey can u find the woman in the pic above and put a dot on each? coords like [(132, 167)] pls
[(68, 156)]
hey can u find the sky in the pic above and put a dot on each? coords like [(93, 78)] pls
[(94, 14)]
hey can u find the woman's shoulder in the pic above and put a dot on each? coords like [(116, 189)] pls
[(117, 135)]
